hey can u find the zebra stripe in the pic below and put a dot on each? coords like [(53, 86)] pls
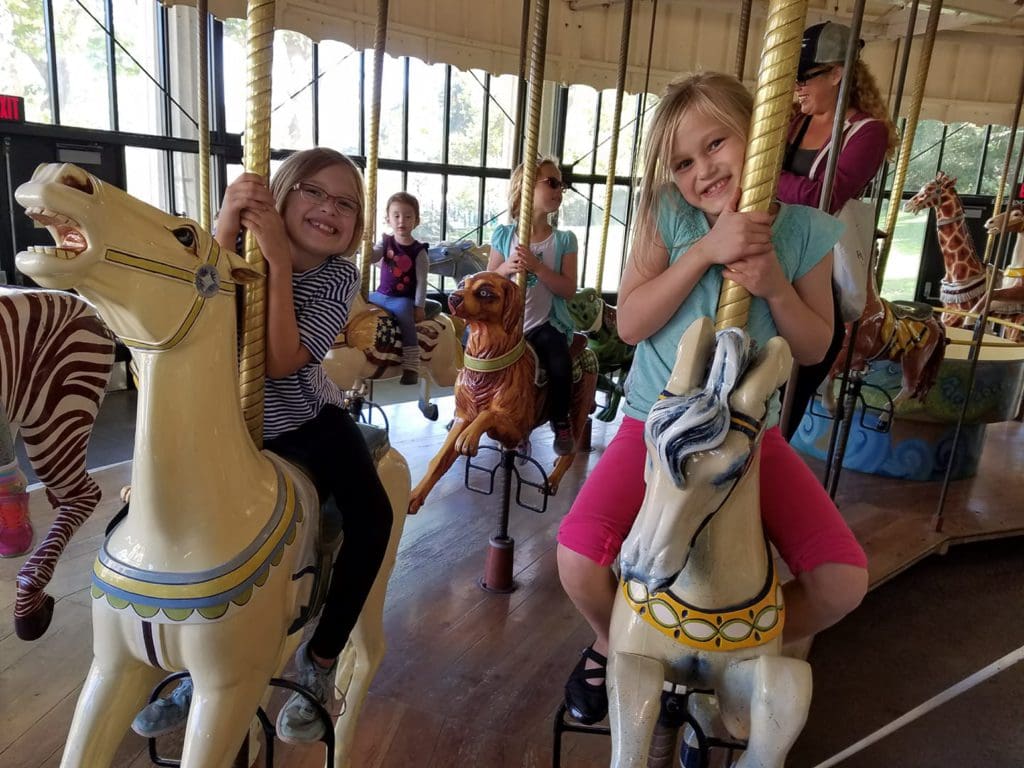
[(55, 362)]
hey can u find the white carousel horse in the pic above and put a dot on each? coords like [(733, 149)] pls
[(700, 604), (370, 348), (203, 574), (56, 362)]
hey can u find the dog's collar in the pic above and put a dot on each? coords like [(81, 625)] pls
[(492, 364)]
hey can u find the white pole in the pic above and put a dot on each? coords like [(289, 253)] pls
[(964, 685)]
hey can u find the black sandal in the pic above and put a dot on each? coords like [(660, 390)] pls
[(587, 702)]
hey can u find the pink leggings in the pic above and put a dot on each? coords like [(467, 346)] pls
[(799, 517)]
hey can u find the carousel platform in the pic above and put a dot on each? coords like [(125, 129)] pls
[(472, 678)]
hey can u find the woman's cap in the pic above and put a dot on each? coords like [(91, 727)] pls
[(824, 44)]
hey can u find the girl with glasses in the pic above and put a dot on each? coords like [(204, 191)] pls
[(550, 264), (307, 222)]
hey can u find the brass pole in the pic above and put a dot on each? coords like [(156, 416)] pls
[(903, 163), (982, 321), (370, 203), (613, 150), (259, 63), (524, 37), (537, 52), (773, 101), (741, 40), (203, 11)]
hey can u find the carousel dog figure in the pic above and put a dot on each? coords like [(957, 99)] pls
[(908, 334), (56, 362), (699, 603), (210, 568), (496, 392)]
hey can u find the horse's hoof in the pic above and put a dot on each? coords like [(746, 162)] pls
[(429, 410), (33, 626)]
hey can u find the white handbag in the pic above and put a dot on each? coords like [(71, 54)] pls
[(851, 256)]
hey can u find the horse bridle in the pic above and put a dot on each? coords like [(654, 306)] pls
[(205, 278)]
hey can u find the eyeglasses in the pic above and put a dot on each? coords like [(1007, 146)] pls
[(552, 182), (802, 81), (345, 206)]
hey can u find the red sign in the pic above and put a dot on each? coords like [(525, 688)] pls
[(12, 109)]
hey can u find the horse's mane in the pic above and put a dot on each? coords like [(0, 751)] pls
[(680, 426)]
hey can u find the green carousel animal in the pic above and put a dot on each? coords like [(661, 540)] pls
[(592, 315)]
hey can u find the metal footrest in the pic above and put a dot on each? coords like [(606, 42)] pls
[(269, 732), (521, 459), (872, 417)]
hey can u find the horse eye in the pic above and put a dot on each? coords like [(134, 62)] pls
[(185, 236)]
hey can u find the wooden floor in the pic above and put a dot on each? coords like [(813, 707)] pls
[(470, 678)]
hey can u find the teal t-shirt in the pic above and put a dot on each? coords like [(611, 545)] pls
[(801, 236)]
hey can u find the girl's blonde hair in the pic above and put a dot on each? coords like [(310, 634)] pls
[(309, 162), (714, 95), (866, 97), (515, 185)]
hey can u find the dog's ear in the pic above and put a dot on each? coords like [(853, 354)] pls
[(512, 308)]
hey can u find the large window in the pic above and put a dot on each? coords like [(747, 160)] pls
[(23, 70), (82, 67)]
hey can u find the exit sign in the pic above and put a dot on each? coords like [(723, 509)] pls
[(12, 109)]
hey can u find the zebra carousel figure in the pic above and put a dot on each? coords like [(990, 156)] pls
[(56, 362)]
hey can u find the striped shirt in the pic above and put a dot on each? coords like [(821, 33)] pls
[(322, 298)]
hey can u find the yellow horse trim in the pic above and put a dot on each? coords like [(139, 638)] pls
[(213, 587), (748, 626)]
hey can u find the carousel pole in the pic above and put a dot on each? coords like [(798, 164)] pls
[(203, 88), (773, 99), (903, 162), (979, 328), (370, 203), (613, 150), (824, 204), (901, 80), (501, 547), (259, 63), (521, 84), (741, 40)]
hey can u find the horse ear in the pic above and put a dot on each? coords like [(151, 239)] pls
[(769, 372), (512, 310), (692, 356)]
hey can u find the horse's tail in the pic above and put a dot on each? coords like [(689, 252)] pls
[(930, 372)]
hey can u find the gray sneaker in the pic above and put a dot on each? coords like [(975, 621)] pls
[(165, 715), (298, 721)]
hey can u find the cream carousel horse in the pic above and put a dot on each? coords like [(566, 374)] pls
[(700, 604), (208, 571), (370, 347)]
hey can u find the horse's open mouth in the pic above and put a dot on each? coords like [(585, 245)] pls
[(67, 234)]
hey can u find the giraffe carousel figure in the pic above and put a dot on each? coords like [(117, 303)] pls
[(964, 281), (214, 568)]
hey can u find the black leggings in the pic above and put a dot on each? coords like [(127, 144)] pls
[(332, 449), (553, 352), (809, 377)]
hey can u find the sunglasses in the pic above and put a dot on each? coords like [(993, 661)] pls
[(553, 183), (802, 81)]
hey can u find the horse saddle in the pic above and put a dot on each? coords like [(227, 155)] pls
[(580, 361), (912, 310)]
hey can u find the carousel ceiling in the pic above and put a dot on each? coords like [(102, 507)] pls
[(975, 71)]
